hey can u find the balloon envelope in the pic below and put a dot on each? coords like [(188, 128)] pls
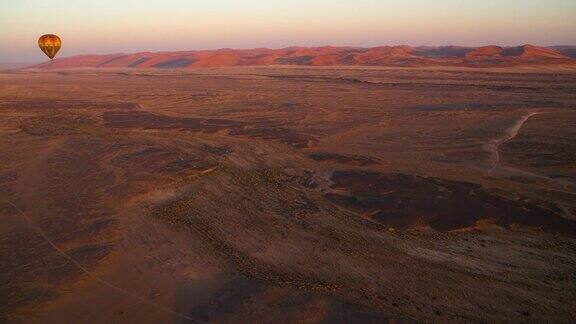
[(50, 44)]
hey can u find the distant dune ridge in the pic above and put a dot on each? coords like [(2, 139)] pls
[(486, 56)]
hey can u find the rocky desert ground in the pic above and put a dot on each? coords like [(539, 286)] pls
[(288, 194)]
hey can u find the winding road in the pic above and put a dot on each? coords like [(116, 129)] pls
[(494, 146)]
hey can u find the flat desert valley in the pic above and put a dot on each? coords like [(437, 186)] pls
[(288, 194)]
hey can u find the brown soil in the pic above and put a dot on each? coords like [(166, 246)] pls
[(287, 194)]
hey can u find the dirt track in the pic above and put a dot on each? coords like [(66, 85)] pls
[(509, 135)]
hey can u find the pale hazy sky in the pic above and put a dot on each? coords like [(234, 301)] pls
[(112, 26)]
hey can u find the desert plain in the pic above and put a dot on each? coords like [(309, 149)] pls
[(288, 194)]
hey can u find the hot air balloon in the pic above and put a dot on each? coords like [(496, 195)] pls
[(50, 44)]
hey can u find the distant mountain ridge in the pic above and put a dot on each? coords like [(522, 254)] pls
[(485, 56)]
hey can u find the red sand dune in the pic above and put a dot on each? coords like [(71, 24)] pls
[(485, 51), (322, 56), (526, 52), (531, 51)]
